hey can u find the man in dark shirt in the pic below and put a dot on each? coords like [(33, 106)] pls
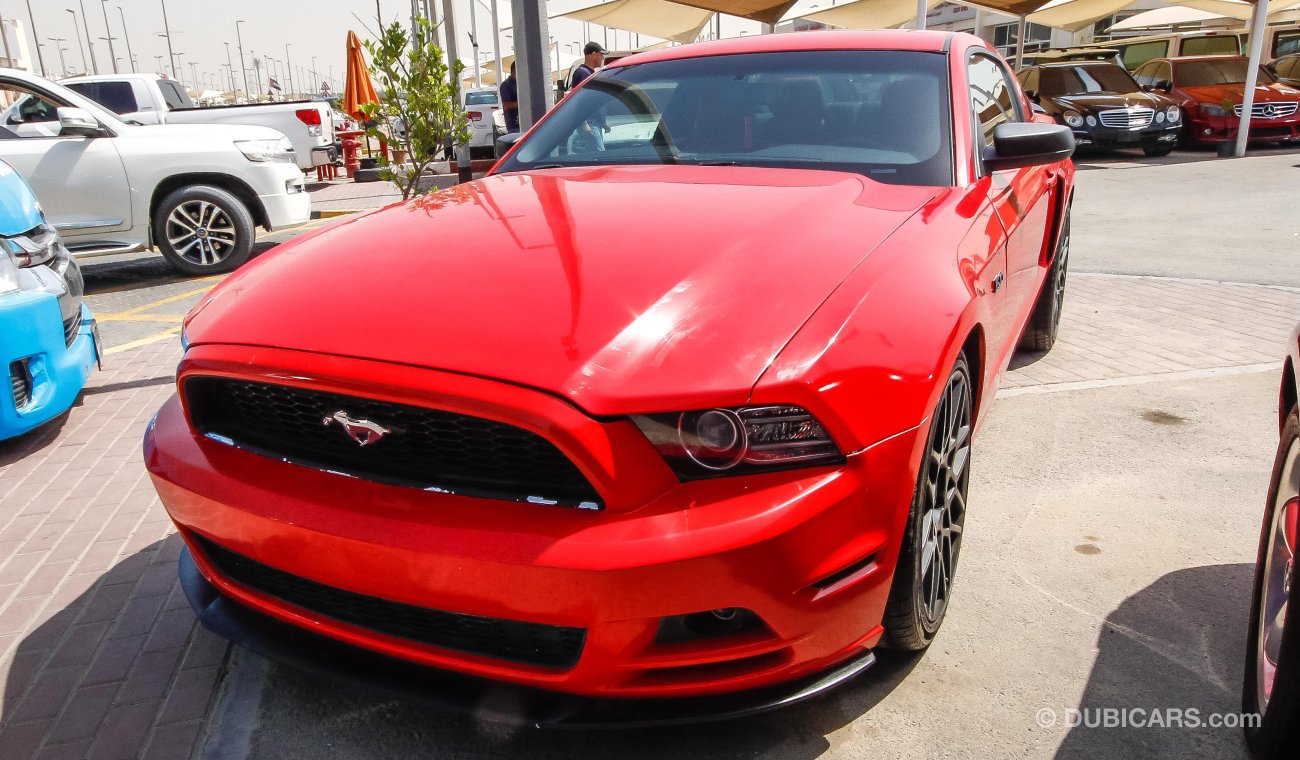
[(592, 133), (510, 100)]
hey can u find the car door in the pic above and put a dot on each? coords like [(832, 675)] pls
[(80, 181), (1020, 197)]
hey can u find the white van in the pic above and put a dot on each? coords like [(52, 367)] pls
[(1135, 51)]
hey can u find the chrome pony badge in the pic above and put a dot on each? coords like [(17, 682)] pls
[(364, 432)]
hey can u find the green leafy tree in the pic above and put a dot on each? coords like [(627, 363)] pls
[(417, 88)]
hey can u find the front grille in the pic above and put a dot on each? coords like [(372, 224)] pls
[(1268, 110), (70, 328), (422, 448), (547, 646), (1126, 118), (20, 381)]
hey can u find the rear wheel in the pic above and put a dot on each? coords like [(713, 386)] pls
[(1040, 333), (922, 585), (203, 229), (1271, 687)]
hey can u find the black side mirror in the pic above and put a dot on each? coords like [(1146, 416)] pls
[(1019, 144), (1163, 85), (1032, 95), (507, 141)]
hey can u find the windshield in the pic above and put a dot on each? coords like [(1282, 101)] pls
[(1072, 80), (883, 114), (486, 97), (1225, 71)]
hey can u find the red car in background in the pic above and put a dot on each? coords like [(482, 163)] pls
[(677, 402), (1210, 90)]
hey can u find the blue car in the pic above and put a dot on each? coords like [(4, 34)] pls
[(48, 341)]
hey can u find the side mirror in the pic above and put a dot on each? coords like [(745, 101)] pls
[(78, 122), (1163, 85), (1019, 144), (507, 141), (1032, 95), (1037, 108)]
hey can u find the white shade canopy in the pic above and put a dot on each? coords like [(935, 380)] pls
[(1161, 17), (656, 18), (1074, 15), (868, 14)]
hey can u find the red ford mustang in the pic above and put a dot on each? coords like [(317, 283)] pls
[(677, 402)]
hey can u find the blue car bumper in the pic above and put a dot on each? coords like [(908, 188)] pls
[(39, 368)]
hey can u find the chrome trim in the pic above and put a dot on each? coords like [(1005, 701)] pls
[(1133, 117), (1268, 110), (61, 226)]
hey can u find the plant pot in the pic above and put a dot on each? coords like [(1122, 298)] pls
[(399, 156)]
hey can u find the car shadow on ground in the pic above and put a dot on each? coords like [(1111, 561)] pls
[(1177, 644), (315, 712), (96, 676), (1092, 159), (21, 446)]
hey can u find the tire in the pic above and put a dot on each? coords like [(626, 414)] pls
[(922, 584), (203, 230), (1157, 151), (1040, 333), (1278, 733)]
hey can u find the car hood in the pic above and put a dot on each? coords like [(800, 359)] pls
[(223, 132), (621, 289), (1101, 101), (19, 211), (1216, 94)]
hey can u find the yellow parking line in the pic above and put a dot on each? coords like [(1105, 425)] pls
[(142, 318), (164, 335), (121, 315)]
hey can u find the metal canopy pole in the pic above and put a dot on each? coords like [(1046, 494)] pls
[(1020, 42), (1258, 20), (496, 40), (532, 38), (464, 172), (921, 12)]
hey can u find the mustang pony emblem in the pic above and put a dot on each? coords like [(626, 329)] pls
[(364, 432)]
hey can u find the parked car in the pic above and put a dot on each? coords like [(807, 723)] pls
[(481, 105), (1271, 687), (1104, 107), (151, 99), (194, 191), (1286, 70), (694, 419), (1210, 90), (48, 341), (1061, 55)]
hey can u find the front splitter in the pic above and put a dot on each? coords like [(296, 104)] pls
[(479, 698)]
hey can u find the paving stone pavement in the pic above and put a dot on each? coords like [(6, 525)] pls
[(100, 656)]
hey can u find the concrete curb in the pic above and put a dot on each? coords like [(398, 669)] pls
[(332, 213)]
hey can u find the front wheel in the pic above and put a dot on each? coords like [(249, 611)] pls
[(203, 229), (1271, 687), (922, 585)]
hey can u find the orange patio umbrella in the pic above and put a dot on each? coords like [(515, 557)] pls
[(358, 89)]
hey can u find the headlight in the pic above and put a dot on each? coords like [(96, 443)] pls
[(8, 273), (39, 246), (1160, 117), (1073, 118), (279, 150), (1212, 110), (1092, 121), (1173, 114), (714, 442)]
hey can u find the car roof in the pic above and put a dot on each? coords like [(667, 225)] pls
[(1071, 64), (1189, 58), (878, 39)]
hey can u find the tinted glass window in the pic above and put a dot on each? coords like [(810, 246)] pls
[(1225, 71), (1029, 80), (1138, 53), (1161, 73), (991, 96), (1068, 80), (1285, 43), (480, 98), (883, 114), (115, 96), (1288, 67), (173, 95), (1211, 46)]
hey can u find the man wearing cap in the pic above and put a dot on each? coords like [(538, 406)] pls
[(591, 136)]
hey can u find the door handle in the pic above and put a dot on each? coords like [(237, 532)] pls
[(998, 279)]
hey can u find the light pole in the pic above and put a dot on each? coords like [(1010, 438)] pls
[(240, 41), (32, 19), (167, 32), (82, 50), (58, 43), (103, 6), (315, 88), (289, 65), (161, 69), (90, 45), (114, 59), (127, 34), (194, 74), (230, 68), (473, 41)]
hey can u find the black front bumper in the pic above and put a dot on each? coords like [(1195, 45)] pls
[(1111, 137), (483, 699)]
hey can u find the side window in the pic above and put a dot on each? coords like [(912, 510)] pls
[(1029, 80), (1145, 75), (1140, 52), (1230, 45), (1162, 73), (26, 113), (1286, 42), (115, 96), (172, 95), (992, 95), (1288, 68)]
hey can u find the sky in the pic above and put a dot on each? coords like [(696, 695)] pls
[(312, 29)]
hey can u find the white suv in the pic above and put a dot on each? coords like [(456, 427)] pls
[(481, 104)]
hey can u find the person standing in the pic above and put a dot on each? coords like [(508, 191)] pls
[(510, 100), (591, 136), (593, 57)]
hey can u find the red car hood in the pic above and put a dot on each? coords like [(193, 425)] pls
[(620, 289), (1216, 94)]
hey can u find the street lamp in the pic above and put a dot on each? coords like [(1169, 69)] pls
[(314, 86), (59, 44), (127, 34), (230, 68), (161, 69), (77, 29), (167, 32), (39, 58), (240, 40), (103, 6), (89, 44), (289, 65)]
